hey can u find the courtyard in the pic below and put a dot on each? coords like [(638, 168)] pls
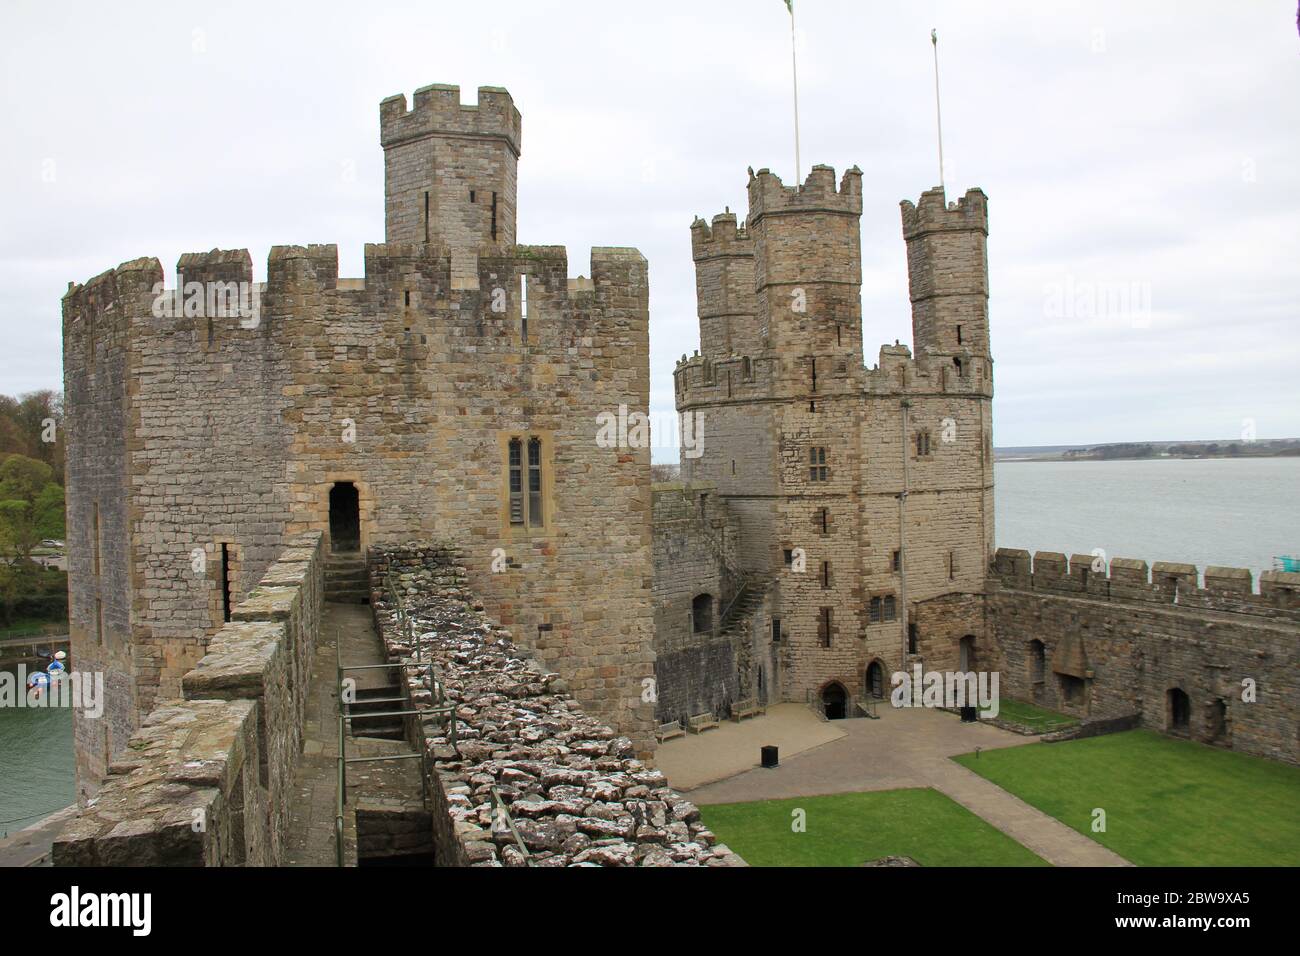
[(920, 783)]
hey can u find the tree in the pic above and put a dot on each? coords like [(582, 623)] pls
[(31, 509), (32, 426)]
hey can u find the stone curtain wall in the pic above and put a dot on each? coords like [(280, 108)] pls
[(694, 672), (1131, 635), (577, 791), (206, 779)]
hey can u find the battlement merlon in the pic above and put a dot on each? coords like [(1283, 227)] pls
[(438, 111), (723, 238), (769, 196), (1123, 577), (934, 214)]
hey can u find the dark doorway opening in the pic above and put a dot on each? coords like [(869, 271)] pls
[(876, 680), (1219, 721), (345, 517), (702, 614), (1180, 710), (834, 702), (966, 653), (225, 582)]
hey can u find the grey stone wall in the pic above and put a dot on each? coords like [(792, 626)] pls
[(1128, 639), (409, 382), (206, 780)]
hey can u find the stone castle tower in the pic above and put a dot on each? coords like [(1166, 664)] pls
[(449, 393), (852, 506)]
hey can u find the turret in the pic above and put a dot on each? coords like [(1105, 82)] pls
[(947, 270), (450, 170), (808, 262), (724, 286)]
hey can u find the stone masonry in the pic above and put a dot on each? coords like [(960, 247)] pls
[(863, 496), (206, 779), (452, 390), (1125, 640), (574, 787)]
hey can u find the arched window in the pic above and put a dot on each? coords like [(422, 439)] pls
[(876, 680)]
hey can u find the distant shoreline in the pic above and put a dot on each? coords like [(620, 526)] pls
[(1155, 450)]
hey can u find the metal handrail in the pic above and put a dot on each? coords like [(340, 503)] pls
[(440, 709), (500, 807)]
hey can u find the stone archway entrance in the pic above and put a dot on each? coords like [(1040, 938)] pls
[(835, 702), (345, 517)]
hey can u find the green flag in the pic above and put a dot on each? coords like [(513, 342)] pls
[(789, 5)]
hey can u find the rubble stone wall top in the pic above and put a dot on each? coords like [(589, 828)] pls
[(574, 787)]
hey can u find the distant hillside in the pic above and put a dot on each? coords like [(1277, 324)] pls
[(1126, 451)]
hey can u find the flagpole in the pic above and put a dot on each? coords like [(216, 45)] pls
[(794, 72), (938, 113)]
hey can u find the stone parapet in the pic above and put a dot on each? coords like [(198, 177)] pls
[(572, 784)]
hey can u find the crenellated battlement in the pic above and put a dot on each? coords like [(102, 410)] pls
[(899, 372), (723, 238), (768, 195), (934, 214), (438, 111), (1164, 582)]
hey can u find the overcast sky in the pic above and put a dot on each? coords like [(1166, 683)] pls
[(1140, 161)]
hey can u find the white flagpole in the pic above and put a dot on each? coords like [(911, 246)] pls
[(938, 113), (794, 69)]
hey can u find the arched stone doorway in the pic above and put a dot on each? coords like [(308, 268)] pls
[(835, 701), (345, 517), (876, 680), (1178, 710)]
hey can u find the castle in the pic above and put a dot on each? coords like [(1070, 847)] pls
[(836, 526), (834, 523), (450, 392)]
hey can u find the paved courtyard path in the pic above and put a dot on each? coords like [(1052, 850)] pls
[(906, 748), (733, 748)]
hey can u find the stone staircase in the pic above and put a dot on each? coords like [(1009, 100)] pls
[(378, 700), (346, 580), (742, 609)]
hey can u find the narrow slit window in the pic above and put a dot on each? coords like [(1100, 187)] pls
[(426, 215), (516, 482), (826, 575), (535, 482), (959, 335), (826, 520), (523, 305), (494, 217), (225, 582), (96, 532), (824, 626)]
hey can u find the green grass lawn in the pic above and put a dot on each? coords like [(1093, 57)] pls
[(848, 829), (1031, 715), (1168, 802)]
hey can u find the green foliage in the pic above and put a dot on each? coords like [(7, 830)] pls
[(31, 509), (1167, 802), (32, 426), (849, 829)]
